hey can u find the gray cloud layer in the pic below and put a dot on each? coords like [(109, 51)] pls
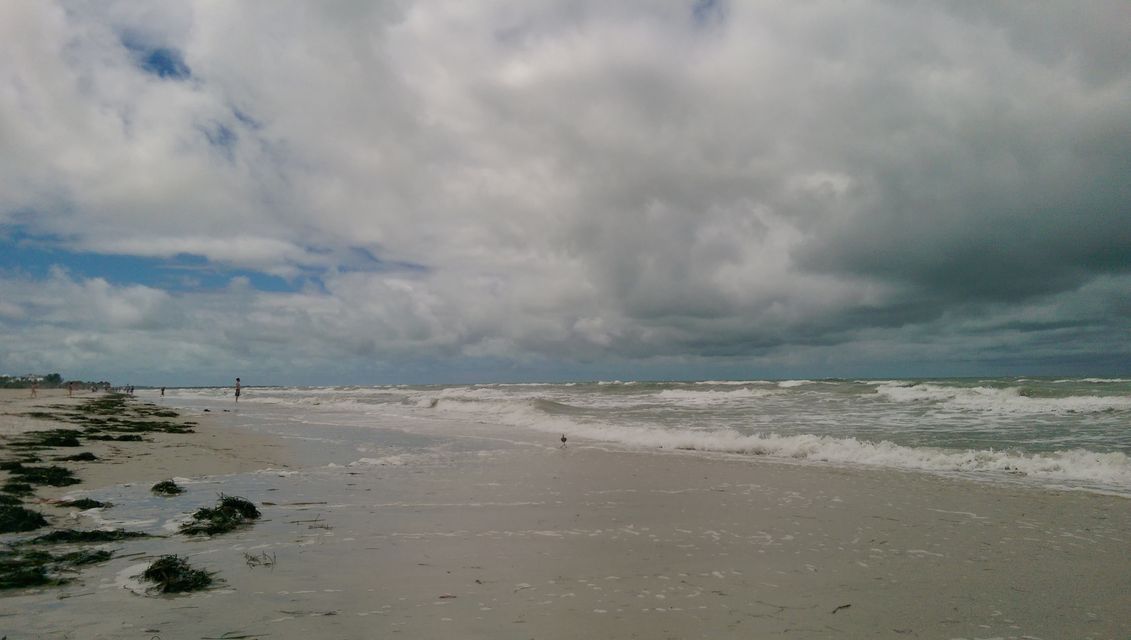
[(575, 188)]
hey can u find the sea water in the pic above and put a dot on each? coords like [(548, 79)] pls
[(1059, 433)]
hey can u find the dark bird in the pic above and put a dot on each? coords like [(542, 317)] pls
[(563, 439)]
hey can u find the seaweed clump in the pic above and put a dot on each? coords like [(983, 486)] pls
[(122, 438), (108, 404), (49, 438), (85, 456), (52, 475), (229, 513), (173, 574), (16, 518), (85, 556), (19, 569), (76, 535), (167, 488), (110, 413), (83, 503), (17, 488)]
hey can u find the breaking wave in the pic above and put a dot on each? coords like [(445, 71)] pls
[(1015, 399), (1071, 467), (1069, 432)]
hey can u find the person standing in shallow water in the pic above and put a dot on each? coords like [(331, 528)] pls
[(237, 389)]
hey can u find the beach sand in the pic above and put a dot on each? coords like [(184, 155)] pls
[(514, 540), (211, 450)]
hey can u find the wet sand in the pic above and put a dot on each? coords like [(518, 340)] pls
[(521, 541)]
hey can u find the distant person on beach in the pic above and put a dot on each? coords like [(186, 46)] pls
[(237, 389), (70, 389), (35, 389), (162, 392)]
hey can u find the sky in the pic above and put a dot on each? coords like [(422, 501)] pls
[(516, 190)]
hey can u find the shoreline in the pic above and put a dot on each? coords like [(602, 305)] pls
[(482, 539)]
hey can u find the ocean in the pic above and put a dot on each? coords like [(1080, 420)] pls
[(1063, 433)]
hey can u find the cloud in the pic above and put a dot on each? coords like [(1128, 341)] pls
[(63, 301), (577, 182)]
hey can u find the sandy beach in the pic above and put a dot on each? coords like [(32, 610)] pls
[(372, 534), (211, 450)]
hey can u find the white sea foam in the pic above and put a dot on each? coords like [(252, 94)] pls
[(1093, 380), (1026, 431), (397, 460), (129, 579), (1107, 469), (723, 383), (695, 397), (1000, 400), (1072, 466)]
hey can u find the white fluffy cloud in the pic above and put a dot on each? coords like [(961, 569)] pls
[(569, 187)]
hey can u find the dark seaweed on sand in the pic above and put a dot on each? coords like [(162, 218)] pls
[(85, 456), (61, 536), (166, 488), (110, 413), (112, 417), (242, 505), (229, 513), (16, 518), (108, 404), (53, 476), (50, 438), (17, 488), (86, 556), (142, 426), (83, 503), (123, 438), (174, 575), (20, 569)]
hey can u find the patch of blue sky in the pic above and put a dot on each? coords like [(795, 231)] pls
[(361, 259), (35, 257), (247, 120), (708, 11), (163, 62), (220, 136)]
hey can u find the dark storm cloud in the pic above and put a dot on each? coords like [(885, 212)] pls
[(1006, 182)]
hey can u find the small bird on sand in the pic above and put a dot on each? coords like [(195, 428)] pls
[(563, 439)]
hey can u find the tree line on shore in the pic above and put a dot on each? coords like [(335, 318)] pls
[(51, 380)]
